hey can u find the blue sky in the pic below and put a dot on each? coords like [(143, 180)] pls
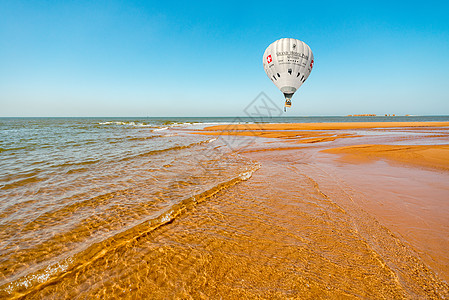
[(170, 58)]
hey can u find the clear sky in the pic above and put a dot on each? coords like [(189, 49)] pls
[(170, 58)]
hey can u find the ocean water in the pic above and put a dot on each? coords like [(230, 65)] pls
[(75, 192), (70, 185)]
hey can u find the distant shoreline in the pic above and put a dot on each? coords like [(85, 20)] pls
[(328, 126)]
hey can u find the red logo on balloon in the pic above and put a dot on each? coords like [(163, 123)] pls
[(311, 64), (269, 59)]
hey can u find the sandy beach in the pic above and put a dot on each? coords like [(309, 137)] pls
[(395, 172), (435, 156), (236, 211)]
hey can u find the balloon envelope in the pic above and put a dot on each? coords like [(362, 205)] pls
[(288, 63)]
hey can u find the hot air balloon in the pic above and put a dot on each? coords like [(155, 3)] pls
[(288, 63)]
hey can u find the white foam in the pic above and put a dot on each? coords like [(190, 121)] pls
[(126, 124), (246, 175), (166, 218), (160, 129)]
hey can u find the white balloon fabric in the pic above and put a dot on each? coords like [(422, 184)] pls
[(288, 63)]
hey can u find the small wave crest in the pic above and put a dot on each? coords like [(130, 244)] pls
[(160, 129), (136, 124), (173, 148), (247, 175)]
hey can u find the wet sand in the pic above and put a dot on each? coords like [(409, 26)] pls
[(434, 156), (327, 126), (397, 171), (316, 132)]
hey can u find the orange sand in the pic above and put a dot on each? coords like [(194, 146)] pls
[(326, 126), (298, 136), (436, 156), (397, 197)]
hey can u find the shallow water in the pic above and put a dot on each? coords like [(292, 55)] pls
[(68, 186), (101, 208)]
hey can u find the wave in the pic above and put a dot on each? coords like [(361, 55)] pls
[(17, 148), (70, 263), (21, 182), (144, 138), (21, 179), (161, 125), (136, 124), (39, 175), (71, 167), (174, 148), (116, 140), (160, 129)]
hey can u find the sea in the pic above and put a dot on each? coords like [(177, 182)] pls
[(75, 190)]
